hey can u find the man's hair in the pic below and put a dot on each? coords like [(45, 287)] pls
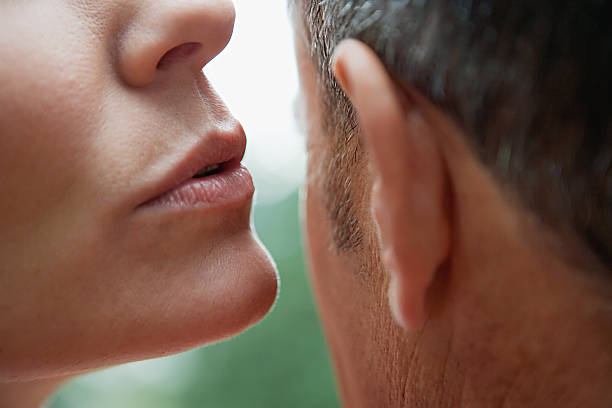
[(528, 81)]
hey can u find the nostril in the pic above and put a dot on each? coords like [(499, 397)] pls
[(178, 53)]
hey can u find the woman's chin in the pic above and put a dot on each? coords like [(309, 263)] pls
[(215, 304), (243, 294), (157, 310)]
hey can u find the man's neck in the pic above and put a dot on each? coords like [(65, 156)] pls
[(547, 344), (571, 367)]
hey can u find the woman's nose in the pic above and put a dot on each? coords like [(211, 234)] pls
[(173, 34)]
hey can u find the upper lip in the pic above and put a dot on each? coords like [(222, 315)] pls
[(221, 146)]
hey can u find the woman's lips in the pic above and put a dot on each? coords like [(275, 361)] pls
[(233, 184), (209, 174)]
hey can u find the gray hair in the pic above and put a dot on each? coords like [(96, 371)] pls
[(527, 80)]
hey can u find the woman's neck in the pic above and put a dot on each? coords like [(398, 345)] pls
[(31, 394)]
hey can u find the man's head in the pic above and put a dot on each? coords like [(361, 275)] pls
[(479, 135)]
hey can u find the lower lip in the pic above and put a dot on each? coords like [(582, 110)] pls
[(231, 186)]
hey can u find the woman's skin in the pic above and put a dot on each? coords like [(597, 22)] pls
[(110, 251)]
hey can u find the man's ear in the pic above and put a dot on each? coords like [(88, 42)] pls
[(410, 193)]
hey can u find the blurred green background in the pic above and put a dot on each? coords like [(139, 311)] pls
[(282, 362)]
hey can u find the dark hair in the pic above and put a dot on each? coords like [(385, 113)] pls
[(527, 80)]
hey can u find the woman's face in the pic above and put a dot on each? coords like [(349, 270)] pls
[(110, 249)]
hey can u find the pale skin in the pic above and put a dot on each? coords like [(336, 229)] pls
[(102, 100), (464, 302)]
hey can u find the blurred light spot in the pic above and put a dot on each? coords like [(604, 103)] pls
[(257, 78)]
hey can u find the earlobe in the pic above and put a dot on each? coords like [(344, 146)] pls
[(409, 197)]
